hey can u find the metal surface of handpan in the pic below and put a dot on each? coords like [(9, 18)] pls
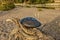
[(30, 22)]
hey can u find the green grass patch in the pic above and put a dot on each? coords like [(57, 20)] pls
[(39, 9), (5, 7), (48, 7), (28, 6)]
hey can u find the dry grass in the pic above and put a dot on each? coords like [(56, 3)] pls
[(29, 33)]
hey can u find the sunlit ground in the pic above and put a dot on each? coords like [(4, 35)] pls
[(45, 15)]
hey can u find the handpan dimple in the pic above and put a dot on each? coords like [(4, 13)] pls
[(30, 22)]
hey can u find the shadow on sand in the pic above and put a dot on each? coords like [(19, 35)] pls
[(52, 28)]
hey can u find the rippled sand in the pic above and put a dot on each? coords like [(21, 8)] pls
[(45, 16)]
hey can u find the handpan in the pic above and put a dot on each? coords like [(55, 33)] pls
[(30, 22)]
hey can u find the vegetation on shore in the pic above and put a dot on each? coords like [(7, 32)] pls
[(34, 1), (6, 5), (9, 4)]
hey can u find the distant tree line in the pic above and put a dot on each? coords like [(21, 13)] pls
[(6, 4), (34, 1), (9, 4)]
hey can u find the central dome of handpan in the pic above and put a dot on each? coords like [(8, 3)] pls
[(30, 22)]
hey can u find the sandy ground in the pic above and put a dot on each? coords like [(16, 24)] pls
[(44, 16)]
